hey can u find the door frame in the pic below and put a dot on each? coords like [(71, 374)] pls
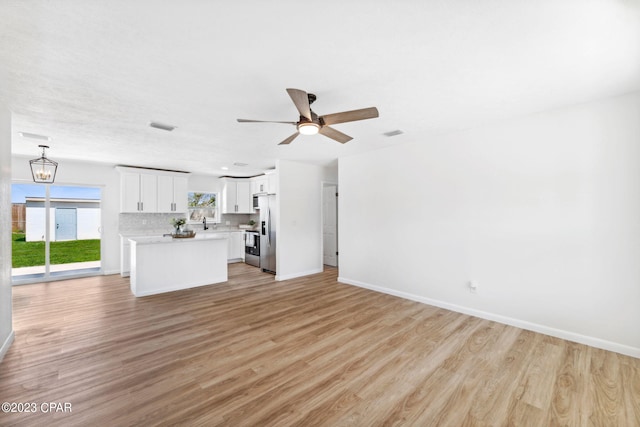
[(324, 184), (47, 276)]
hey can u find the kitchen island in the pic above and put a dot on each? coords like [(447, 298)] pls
[(165, 264)]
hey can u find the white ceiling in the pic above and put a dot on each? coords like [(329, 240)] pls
[(93, 74)]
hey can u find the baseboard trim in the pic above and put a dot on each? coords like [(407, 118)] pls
[(209, 282), (6, 344), (110, 272), (518, 323), (296, 275)]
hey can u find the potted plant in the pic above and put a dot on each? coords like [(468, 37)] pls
[(178, 224)]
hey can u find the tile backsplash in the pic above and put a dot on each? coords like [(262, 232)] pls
[(160, 223)]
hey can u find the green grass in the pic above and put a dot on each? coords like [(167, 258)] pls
[(29, 254)]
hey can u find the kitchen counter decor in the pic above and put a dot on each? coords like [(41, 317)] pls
[(178, 224), (185, 234)]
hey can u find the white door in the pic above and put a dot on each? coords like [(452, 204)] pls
[(330, 225), (66, 224)]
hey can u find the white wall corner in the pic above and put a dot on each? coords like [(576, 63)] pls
[(6, 310)]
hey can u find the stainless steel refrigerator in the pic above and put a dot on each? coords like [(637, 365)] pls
[(268, 215)]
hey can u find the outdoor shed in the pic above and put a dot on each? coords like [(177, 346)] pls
[(69, 219)]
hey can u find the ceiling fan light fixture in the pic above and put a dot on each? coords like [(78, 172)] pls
[(308, 128)]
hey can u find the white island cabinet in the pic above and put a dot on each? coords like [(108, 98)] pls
[(165, 264)]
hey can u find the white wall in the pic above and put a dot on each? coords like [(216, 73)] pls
[(543, 212), (6, 327), (88, 174), (204, 183), (35, 224), (299, 227), (88, 223)]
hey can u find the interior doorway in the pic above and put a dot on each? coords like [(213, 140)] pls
[(330, 224)]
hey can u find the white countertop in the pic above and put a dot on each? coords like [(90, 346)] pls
[(142, 240), (156, 234)]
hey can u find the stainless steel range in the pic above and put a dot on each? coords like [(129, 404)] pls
[(252, 248)]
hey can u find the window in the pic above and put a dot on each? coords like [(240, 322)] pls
[(57, 231), (203, 205)]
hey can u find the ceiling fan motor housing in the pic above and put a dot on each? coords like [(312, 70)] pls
[(311, 97)]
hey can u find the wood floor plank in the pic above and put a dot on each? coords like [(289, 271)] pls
[(308, 352)]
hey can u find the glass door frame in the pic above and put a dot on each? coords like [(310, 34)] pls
[(46, 276)]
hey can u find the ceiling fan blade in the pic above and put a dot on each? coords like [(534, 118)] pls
[(288, 140), (350, 116), (301, 101), (263, 121), (335, 134)]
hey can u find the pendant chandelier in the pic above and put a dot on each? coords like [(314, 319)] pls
[(43, 170)]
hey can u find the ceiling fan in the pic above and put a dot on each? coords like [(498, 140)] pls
[(310, 123)]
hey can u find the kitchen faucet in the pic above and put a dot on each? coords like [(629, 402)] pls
[(204, 221)]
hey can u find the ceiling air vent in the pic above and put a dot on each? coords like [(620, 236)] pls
[(34, 136), (162, 126), (393, 132)]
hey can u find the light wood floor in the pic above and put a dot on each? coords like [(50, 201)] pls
[(310, 351)]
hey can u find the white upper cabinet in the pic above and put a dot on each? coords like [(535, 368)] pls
[(129, 192), (180, 193), (138, 192), (272, 182), (236, 196), (150, 191), (244, 198), (172, 194), (259, 185)]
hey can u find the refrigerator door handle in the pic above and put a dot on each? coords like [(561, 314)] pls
[(269, 227)]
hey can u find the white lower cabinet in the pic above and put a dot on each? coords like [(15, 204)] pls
[(235, 242), (235, 252), (125, 256), (236, 246)]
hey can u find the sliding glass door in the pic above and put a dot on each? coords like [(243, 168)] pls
[(56, 231)]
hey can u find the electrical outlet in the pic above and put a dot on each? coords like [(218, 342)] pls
[(144, 222), (473, 286)]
